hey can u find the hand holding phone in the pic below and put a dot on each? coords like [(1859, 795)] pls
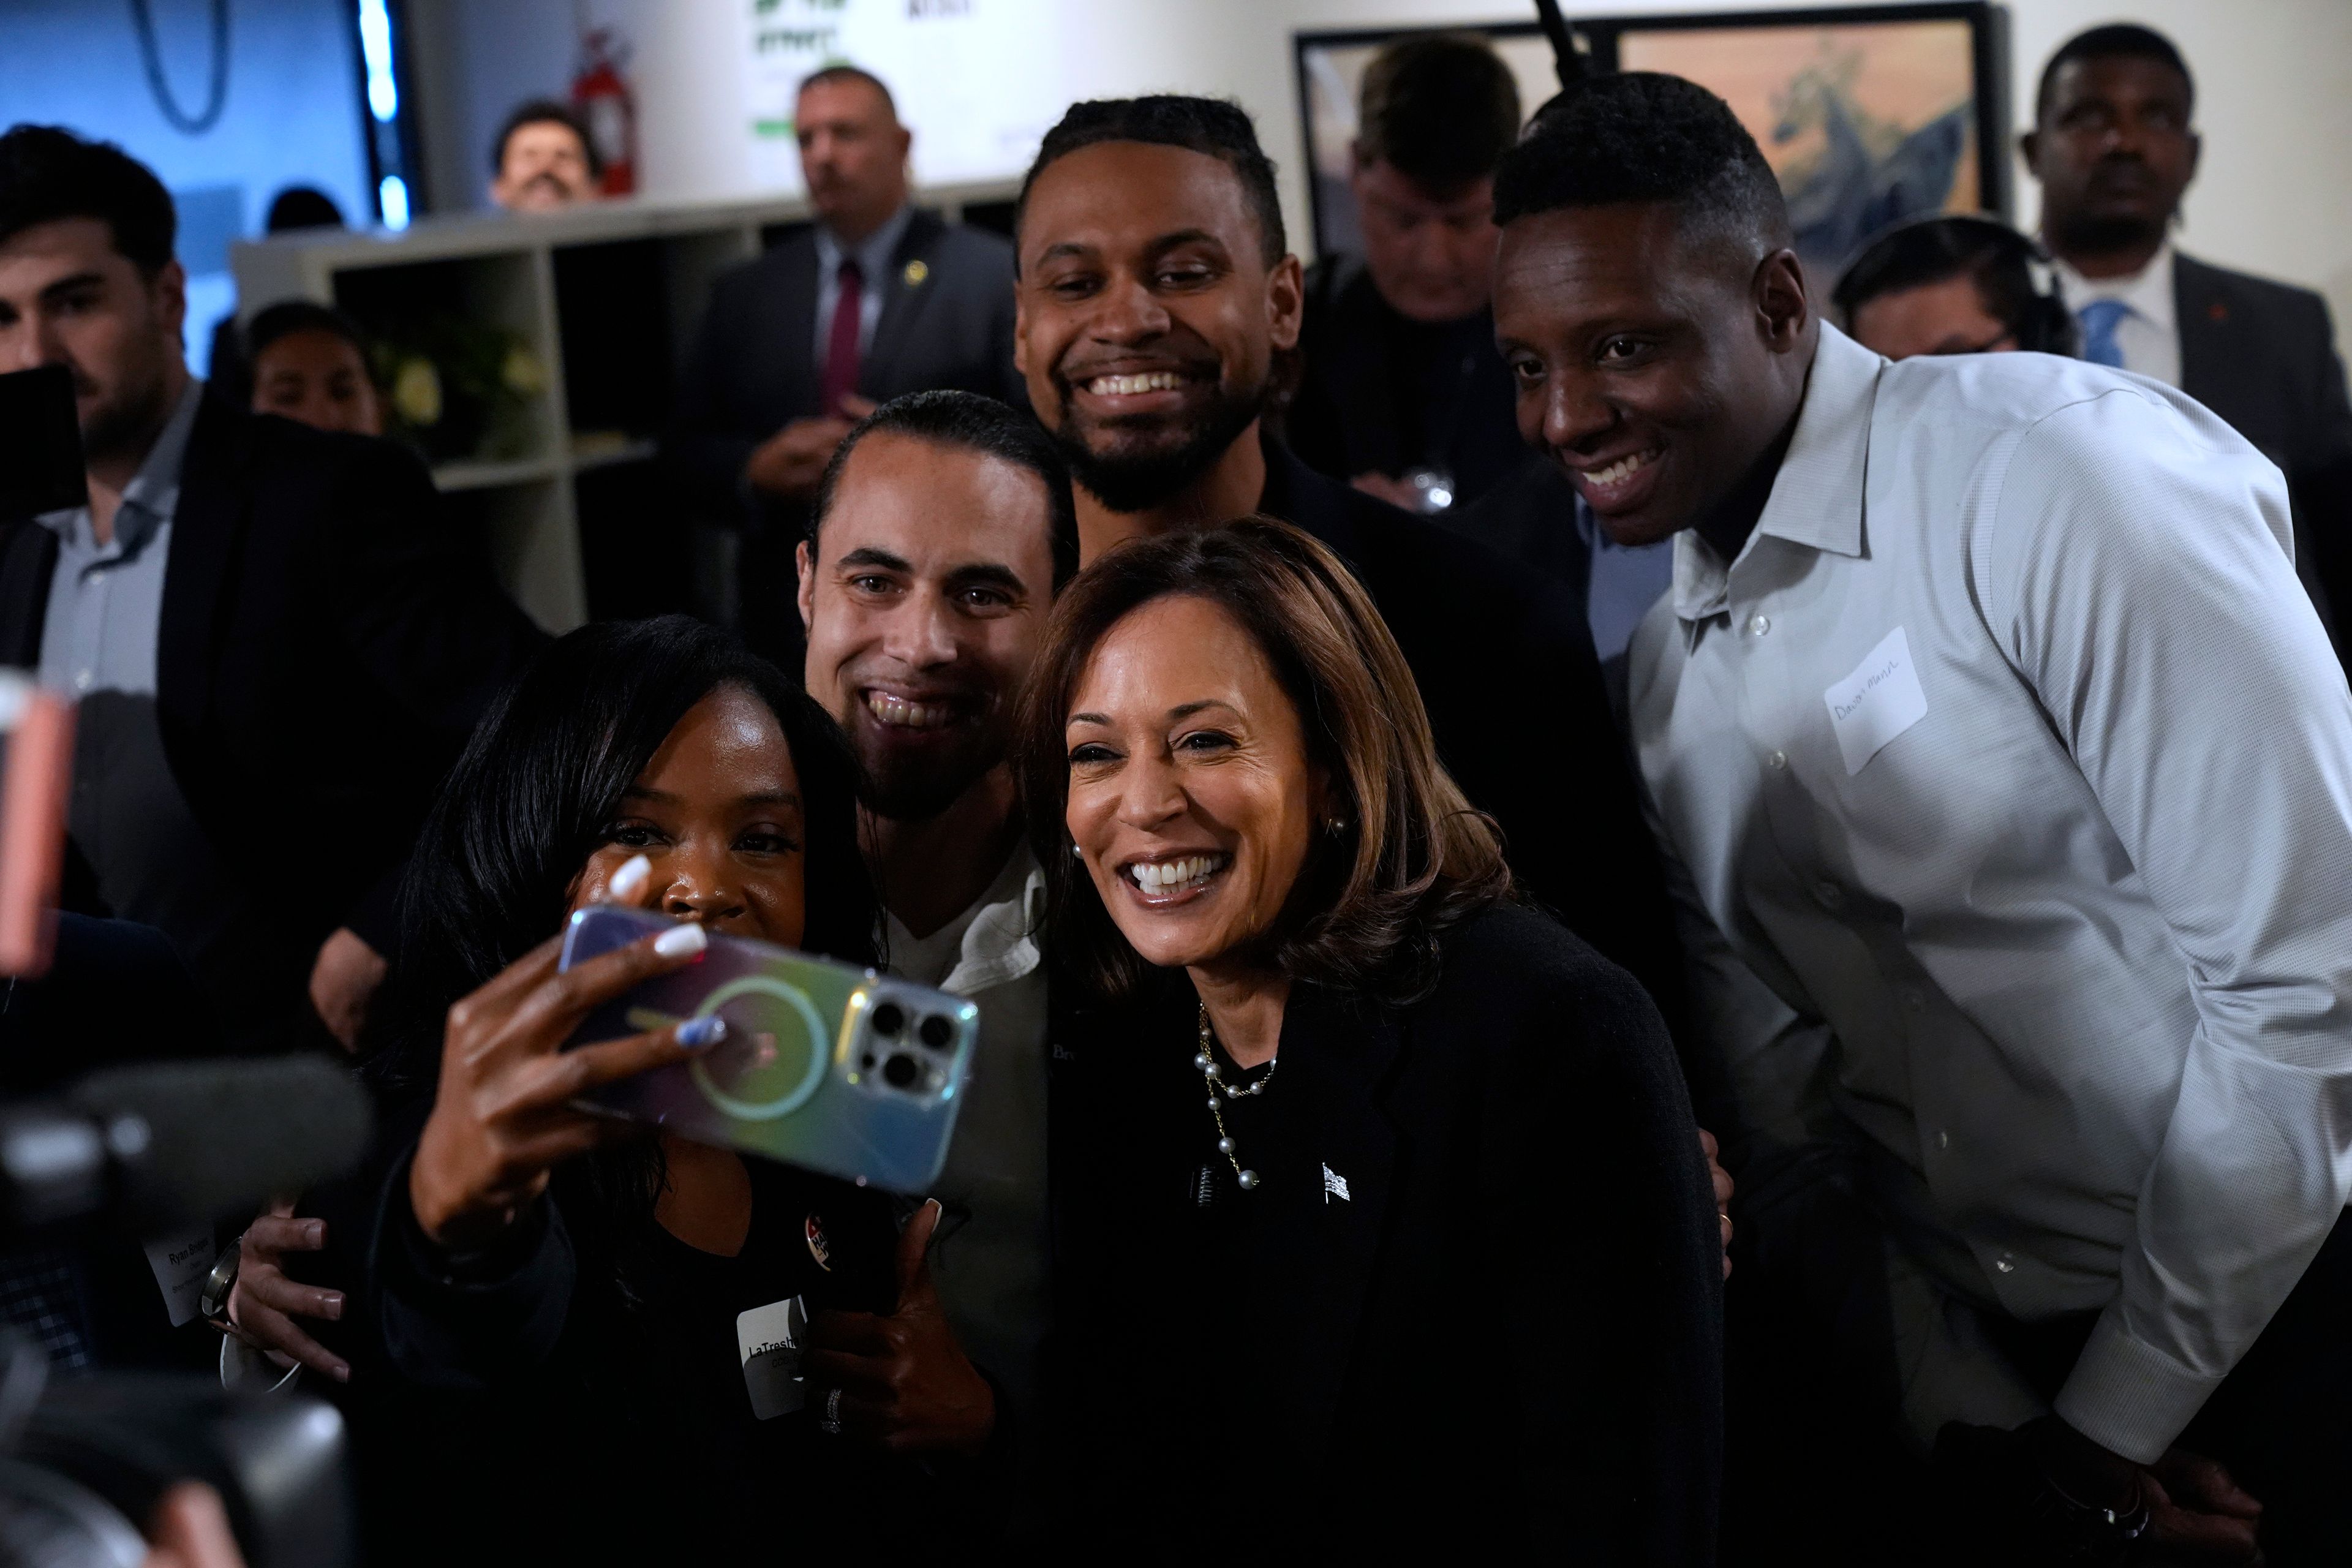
[(505, 1115), (838, 1069)]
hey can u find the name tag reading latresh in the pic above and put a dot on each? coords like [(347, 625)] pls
[(771, 1338), (1877, 702)]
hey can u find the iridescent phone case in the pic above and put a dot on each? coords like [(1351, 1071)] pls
[(838, 1069)]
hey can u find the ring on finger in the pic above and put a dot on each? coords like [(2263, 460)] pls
[(830, 1422)]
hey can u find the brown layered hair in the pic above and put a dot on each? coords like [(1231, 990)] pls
[(1411, 858)]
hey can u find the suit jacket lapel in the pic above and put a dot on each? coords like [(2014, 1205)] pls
[(2201, 316), (1335, 1056), (207, 537), (792, 328), (903, 298)]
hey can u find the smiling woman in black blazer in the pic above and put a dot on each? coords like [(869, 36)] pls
[(1380, 1215)]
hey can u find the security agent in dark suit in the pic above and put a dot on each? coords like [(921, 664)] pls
[(873, 299), (1400, 391), (277, 639), (1154, 293), (2113, 147)]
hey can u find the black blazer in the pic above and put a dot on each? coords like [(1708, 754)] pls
[(1504, 660), (1354, 411), (2262, 356), (1506, 1338), (947, 323), (329, 635)]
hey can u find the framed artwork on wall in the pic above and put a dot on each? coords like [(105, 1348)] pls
[(1869, 114)]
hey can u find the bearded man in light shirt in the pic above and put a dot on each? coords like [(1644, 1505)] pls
[(2009, 776)]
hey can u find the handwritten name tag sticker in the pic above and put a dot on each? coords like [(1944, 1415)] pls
[(1877, 702), (180, 1264), (771, 1338)]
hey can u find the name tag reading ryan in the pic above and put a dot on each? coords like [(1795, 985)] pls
[(1877, 702)]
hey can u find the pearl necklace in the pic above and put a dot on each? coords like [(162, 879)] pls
[(1207, 1062)]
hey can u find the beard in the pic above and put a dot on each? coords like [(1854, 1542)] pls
[(125, 424), (1137, 475), (913, 783), (906, 789)]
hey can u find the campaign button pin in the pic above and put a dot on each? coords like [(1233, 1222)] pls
[(819, 1248)]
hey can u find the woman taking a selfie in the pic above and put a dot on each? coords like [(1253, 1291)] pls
[(578, 1285), (1380, 1211)]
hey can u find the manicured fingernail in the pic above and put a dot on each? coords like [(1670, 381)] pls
[(315, 1233), (343, 1372), (333, 1308), (629, 880), (696, 1033), (680, 941)]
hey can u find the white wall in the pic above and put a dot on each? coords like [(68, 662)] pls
[(2274, 82)]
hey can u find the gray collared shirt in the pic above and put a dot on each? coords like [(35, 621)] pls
[(2008, 773), (106, 601), (873, 256)]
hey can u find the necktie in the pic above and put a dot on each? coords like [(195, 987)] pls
[(841, 343), (2099, 319)]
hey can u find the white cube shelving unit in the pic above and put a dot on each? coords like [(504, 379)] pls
[(649, 268)]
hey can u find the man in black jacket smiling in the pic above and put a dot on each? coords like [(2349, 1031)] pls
[(277, 639), (1155, 288)]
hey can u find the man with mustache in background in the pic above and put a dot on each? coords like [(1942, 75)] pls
[(544, 160), (1155, 288)]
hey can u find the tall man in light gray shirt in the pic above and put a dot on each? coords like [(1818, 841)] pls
[(2011, 777)]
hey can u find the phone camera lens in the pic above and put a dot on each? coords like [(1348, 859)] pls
[(900, 1071), (888, 1018), (936, 1032)]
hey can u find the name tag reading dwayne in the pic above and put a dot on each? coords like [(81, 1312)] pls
[(771, 1338), (1877, 702)]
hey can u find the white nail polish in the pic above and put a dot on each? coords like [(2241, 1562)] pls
[(629, 880), (681, 940)]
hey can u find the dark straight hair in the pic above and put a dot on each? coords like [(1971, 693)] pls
[(539, 786), (969, 422), (48, 172)]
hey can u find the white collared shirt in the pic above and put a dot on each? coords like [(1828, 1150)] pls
[(2050, 898), (2149, 334), (992, 1268)]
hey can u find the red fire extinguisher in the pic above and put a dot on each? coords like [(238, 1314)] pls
[(602, 95)]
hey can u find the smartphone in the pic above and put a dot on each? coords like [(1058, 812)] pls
[(838, 1069), (40, 444), (36, 753)]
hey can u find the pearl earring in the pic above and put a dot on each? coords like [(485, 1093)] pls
[(1076, 853)]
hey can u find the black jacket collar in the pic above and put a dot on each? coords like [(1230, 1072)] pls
[(207, 534)]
